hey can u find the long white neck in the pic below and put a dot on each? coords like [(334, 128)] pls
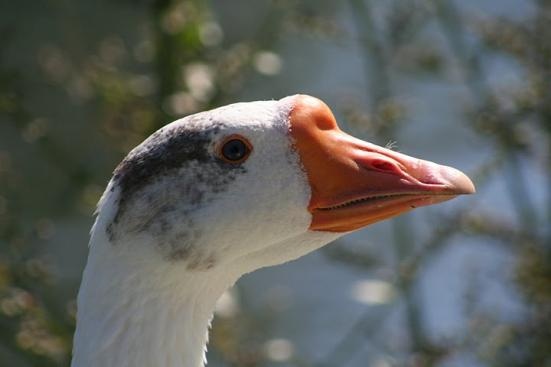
[(137, 307), (133, 312)]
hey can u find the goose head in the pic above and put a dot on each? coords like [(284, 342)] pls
[(231, 186), (221, 193)]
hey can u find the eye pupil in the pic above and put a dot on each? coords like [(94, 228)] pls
[(235, 150)]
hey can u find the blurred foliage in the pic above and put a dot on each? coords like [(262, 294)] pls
[(82, 83)]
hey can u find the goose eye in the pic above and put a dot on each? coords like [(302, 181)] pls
[(235, 149)]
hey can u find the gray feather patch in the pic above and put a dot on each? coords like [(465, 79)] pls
[(163, 180)]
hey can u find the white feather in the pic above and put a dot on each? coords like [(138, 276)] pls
[(135, 308)]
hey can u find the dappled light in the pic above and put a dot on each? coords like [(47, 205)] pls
[(465, 84)]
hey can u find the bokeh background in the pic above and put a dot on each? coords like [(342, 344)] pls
[(464, 83)]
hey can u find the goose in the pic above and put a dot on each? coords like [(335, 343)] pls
[(218, 194)]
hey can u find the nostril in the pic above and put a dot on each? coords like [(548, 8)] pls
[(385, 166)]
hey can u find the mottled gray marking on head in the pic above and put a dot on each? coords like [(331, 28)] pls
[(168, 176), (163, 152)]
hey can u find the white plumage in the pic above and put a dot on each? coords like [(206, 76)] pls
[(179, 224)]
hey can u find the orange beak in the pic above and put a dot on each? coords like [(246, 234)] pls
[(355, 183)]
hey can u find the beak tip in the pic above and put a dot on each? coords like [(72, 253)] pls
[(458, 182)]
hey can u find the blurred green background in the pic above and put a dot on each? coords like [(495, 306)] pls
[(463, 83)]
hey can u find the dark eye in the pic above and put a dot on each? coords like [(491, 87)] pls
[(235, 149)]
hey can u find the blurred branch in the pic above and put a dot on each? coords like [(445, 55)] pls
[(365, 326), (527, 43), (452, 27), (369, 322), (168, 53), (374, 54), (376, 64)]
